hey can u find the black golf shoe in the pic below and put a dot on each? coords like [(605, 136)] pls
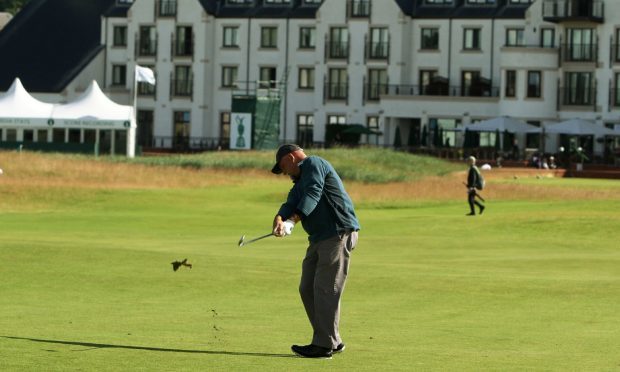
[(339, 348), (481, 209), (312, 351)]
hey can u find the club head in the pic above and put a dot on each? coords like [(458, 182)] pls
[(241, 240)]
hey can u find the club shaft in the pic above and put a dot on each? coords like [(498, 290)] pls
[(259, 238)]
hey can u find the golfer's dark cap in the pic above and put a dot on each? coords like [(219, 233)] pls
[(282, 152)]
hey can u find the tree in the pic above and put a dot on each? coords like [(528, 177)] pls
[(12, 6)]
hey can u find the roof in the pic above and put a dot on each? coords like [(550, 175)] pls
[(50, 41), (461, 9), (260, 9)]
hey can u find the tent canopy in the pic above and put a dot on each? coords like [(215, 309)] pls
[(19, 108), (93, 109), (580, 127), (503, 124)]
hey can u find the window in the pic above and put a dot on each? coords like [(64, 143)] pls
[(307, 38), (616, 89), (147, 42), (184, 41), (231, 38), (616, 46), (377, 83), (336, 119), (581, 45), (514, 37), (144, 133), (511, 83), (225, 129), (471, 38), (181, 129), (229, 76), (579, 88), (306, 78), (438, 1), (120, 36), (338, 42), (119, 75), (167, 8), (468, 80), (267, 77), (430, 39), (360, 8), (379, 43), (313, 1), (239, 2), (305, 129), (426, 77), (521, 1), (277, 1), (372, 122), (480, 1), (268, 37), (182, 81), (547, 38), (338, 83), (533, 84)]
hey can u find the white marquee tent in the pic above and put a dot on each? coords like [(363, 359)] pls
[(18, 108), (93, 110)]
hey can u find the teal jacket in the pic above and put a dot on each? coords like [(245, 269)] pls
[(321, 201)]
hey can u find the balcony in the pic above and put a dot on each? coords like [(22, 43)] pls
[(181, 87), (615, 54), (577, 96), (374, 91), (146, 47), (337, 91), (378, 50), (146, 89), (443, 90), (182, 48), (337, 50), (557, 11), (579, 53)]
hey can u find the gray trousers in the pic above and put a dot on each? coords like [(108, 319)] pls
[(323, 275)]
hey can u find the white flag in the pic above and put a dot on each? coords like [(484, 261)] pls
[(145, 75)]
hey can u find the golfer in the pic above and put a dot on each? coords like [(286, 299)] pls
[(473, 179), (319, 201)]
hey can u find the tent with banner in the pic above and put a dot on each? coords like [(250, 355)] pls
[(18, 108), (92, 114)]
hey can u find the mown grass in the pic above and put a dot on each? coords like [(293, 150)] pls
[(87, 284)]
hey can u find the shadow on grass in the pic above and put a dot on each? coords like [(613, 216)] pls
[(93, 345)]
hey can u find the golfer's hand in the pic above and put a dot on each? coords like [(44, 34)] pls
[(287, 227)]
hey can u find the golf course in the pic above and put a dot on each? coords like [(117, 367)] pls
[(86, 281)]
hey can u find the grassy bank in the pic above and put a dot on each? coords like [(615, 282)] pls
[(87, 282)]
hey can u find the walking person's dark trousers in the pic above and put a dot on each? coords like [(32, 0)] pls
[(471, 199), (323, 276)]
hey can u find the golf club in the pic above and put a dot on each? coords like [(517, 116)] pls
[(243, 242)]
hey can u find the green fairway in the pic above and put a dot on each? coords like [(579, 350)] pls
[(87, 282)]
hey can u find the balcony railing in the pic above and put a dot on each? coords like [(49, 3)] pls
[(451, 91), (146, 47), (374, 91), (181, 87), (337, 91), (146, 89), (358, 8), (614, 97), (378, 50), (167, 8), (578, 96), (182, 48), (572, 10), (579, 52), (615, 53), (338, 50)]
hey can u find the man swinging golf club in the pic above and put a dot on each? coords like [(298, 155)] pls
[(318, 199)]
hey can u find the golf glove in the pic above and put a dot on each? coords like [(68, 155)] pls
[(288, 227)]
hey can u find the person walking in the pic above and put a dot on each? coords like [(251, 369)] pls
[(318, 199), (474, 181)]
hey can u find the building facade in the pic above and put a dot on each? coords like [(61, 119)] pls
[(417, 71)]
